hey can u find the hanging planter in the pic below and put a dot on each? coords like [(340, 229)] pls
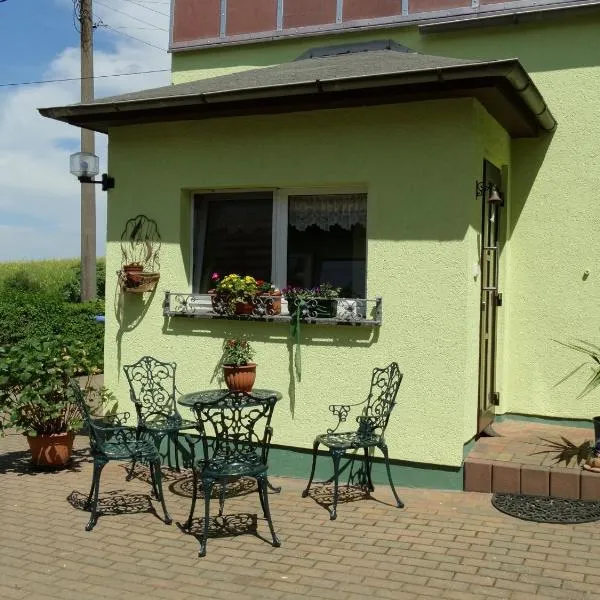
[(140, 246)]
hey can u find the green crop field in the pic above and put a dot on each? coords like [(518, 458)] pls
[(51, 274)]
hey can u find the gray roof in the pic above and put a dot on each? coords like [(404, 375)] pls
[(356, 78)]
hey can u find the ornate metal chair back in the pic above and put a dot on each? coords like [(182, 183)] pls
[(96, 435), (381, 399), (237, 429), (152, 388)]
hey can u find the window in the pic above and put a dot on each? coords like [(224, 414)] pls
[(296, 239)]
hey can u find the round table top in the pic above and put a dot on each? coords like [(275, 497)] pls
[(192, 398)]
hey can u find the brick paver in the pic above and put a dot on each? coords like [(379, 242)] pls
[(442, 545)]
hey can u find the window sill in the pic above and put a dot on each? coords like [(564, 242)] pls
[(350, 311)]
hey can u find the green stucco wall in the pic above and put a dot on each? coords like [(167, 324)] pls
[(419, 163), (553, 214)]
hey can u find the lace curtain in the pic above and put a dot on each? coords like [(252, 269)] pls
[(325, 211)]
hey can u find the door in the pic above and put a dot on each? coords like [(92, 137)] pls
[(491, 298)]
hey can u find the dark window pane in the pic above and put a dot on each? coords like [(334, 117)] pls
[(237, 231), (327, 242)]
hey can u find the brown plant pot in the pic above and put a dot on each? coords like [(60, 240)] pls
[(240, 379), (244, 308), (133, 274), (273, 303), (51, 450)]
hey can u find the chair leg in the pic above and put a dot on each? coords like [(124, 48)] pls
[(188, 523), (262, 486), (262, 500), (207, 486), (368, 466), (222, 496), (129, 476), (154, 490), (159, 489), (98, 466), (312, 471), (336, 455), (384, 449), (88, 502)]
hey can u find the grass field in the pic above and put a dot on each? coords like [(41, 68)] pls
[(52, 274)]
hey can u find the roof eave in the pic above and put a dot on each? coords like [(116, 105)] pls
[(97, 116)]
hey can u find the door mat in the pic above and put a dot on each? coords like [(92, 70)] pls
[(547, 510)]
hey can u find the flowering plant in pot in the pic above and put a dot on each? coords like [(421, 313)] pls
[(234, 293), (269, 298), (35, 395), (315, 302), (238, 370)]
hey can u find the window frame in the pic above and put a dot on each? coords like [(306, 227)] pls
[(279, 225)]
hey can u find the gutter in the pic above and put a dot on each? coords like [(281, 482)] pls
[(509, 69)]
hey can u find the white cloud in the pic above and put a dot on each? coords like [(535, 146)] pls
[(39, 199)]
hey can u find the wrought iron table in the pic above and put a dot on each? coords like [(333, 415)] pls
[(208, 396)]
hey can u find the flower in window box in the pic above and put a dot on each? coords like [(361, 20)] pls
[(269, 298), (234, 293), (317, 302)]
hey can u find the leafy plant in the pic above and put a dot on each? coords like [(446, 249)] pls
[(22, 281), (237, 352), (592, 352), (34, 385), (325, 291)]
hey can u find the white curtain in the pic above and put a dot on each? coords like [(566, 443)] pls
[(325, 211)]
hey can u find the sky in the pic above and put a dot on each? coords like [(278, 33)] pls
[(39, 198)]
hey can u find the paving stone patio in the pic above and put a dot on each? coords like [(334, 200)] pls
[(443, 544)]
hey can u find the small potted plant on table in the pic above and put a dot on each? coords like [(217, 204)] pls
[(239, 373), (35, 395)]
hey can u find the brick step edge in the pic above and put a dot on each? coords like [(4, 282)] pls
[(489, 476)]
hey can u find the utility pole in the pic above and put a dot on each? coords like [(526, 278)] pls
[(88, 192)]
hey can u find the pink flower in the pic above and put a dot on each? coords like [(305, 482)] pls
[(214, 276)]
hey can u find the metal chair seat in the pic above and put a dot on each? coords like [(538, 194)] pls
[(168, 424), (233, 469), (349, 439), (139, 450)]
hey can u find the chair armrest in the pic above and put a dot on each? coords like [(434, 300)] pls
[(341, 411), (114, 420)]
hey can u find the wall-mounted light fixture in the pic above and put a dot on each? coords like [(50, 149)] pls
[(85, 166)]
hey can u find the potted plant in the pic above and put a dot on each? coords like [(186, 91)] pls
[(234, 293), (239, 373), (35, 396), (316, 302), (270, 297)]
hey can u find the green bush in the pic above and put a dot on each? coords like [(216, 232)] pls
[(72, 288), (27, 316), (51, 275)]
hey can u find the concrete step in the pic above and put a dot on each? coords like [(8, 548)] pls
[(481, 475)]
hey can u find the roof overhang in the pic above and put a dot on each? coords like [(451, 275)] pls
[(502, 86)]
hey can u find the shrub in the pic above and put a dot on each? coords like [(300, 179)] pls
[(71, 290), (21, 281), (35, 376), (26, 317)]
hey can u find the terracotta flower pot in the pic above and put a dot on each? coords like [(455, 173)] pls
[(273, 302), (51, 450), (240, 379), (133, 275), (244, 308)]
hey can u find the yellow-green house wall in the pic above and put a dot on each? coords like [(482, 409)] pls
[(553, 197), (419, 163)]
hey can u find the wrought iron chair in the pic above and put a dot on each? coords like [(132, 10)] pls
[(152, 389), (370, 433), (111, 439), (236, 434)]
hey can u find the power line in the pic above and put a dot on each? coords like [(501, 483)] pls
[(104, 25), (80, 78), (130, 16), (146, 8)]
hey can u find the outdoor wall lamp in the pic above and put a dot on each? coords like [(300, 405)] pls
[(85, 166)]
